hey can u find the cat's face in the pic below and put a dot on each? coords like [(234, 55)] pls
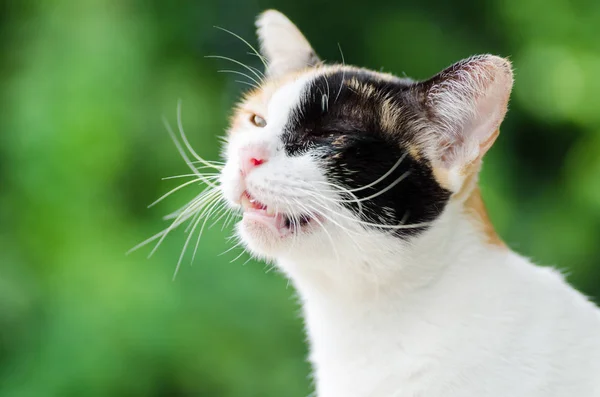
[(322, 156)]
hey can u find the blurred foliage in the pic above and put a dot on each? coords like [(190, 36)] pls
[(82, 151)]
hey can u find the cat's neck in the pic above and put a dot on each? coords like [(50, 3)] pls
[(379, 265), (372, 306)]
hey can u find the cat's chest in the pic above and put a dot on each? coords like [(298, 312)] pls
[(405, 353), (485, 328), (376, 353), (466, 338)]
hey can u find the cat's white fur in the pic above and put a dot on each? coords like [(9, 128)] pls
[(443, 315)]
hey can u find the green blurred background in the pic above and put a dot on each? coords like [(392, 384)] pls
[(82, 152)]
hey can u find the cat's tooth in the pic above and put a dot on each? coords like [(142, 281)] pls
[(270, 211), (245, 202)]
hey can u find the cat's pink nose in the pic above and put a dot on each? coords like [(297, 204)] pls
[(252, 157)]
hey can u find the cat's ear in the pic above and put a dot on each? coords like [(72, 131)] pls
[(465, 105), (283, 45)]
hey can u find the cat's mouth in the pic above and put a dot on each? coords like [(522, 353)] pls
[(282, 223)]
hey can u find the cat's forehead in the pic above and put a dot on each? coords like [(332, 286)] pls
[(338, 98), (348, 99)]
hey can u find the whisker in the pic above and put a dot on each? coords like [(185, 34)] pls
[(238, 257), (379, 193), (256, 83), (184, 210), (262, 58), (183, 154), (246, 83), (293, 221), (344, 229), (206, 194), (343, 73), (184, 137), (325, 97), (222, 208), (344, 190), (381, 178), (233, 214), (212, 162), (198, 180), (206, 217), (216, 207), (187, 241), (258, 76), (208, 176), (255, 52), (157, 236), (231, 248), (181, 218), (184, 249), (377, 225), (178, 211), (247, 260), (207, 201), (192, 222), (230, 216)]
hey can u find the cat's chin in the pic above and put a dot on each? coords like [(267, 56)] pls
[(270, 235), (262, 236)]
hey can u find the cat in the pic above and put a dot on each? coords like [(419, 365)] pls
[(362, 188)]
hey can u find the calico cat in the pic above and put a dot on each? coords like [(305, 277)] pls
[(362, 188)]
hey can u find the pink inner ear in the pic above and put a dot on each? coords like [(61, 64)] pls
[(490, 111), (469, 101)]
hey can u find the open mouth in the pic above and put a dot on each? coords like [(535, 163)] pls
[(283, 223)]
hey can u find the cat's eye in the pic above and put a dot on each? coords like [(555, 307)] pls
[(258, 121)]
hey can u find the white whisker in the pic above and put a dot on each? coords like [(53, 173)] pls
[(247, 260), (377, 225), (183, 154), (207, 176), (330, 219), (225, 211), (184, 249), (246, 83), (256, 83), (161, 198), (381, 178), (255, 52), (206, 217), (254, 72), (343, 189), (238, 257), (185, 140), (212, 162), (262, 58), (181, 218), (379, 193), (343, 74), (238, 244)]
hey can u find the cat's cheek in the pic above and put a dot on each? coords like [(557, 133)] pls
[(231, 184)]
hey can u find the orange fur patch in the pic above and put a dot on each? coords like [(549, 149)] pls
[(470, 194), (256, 101), (475, 207), (414, 152), (442, 177)]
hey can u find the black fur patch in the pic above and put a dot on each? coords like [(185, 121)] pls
[(341, 117)]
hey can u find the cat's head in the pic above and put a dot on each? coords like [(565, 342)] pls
[(323, 157)]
